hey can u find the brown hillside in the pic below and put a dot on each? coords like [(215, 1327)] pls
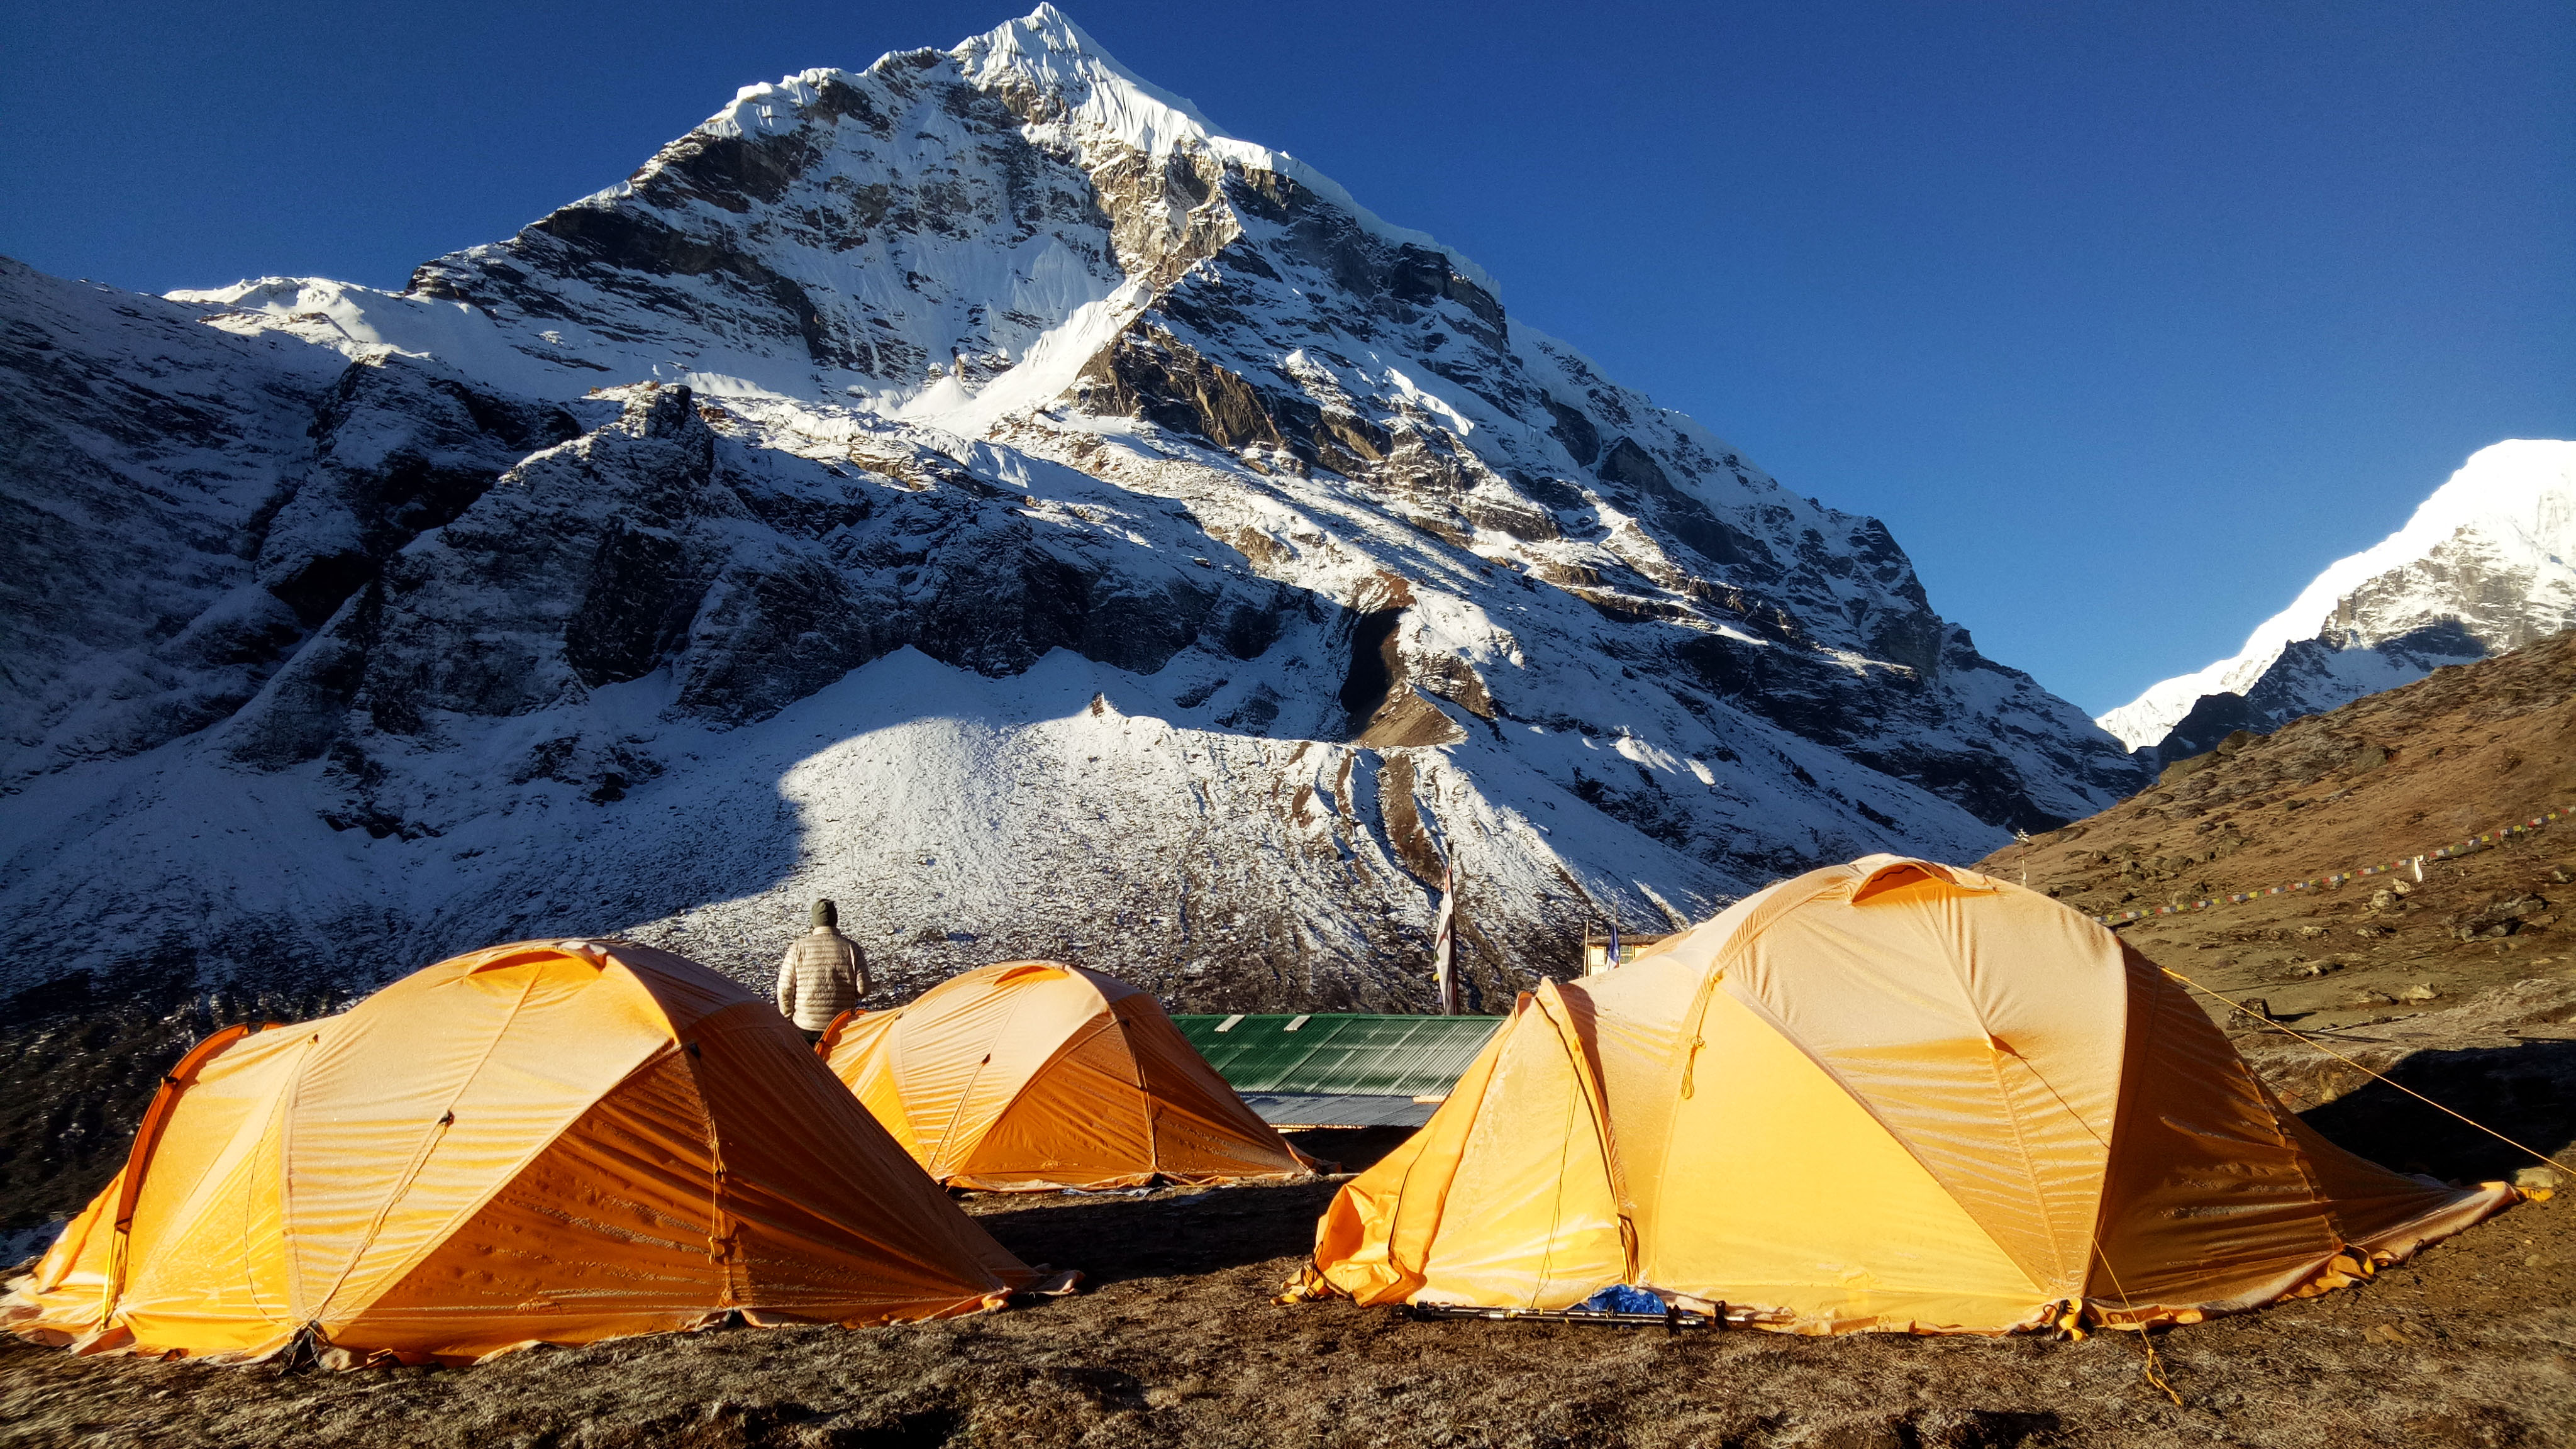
[(2468, 750), (2461, 987)]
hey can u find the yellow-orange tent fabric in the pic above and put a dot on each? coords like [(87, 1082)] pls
[(1886, 1095), (1033, 1075), (544, 1142)]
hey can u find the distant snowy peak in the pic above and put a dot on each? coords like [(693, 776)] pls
[(2487, 564), (1045, 55)]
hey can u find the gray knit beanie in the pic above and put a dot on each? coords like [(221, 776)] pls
[(826, 914)]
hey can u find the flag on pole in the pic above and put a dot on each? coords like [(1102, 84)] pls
[(1444, 942)]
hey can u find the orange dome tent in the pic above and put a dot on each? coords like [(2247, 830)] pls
[(1888, 1095), (545, 1142), (1033, 1075)]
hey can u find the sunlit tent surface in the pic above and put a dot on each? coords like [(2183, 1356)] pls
[(542, 1142), (1033, 1075), (1887, 1095)]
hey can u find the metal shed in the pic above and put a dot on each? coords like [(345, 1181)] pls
[(1322, 1069)]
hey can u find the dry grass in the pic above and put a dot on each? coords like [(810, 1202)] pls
[(2443, 759)]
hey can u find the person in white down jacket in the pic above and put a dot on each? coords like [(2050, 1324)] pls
[(823, 974)]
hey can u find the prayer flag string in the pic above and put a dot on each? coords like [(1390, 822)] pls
[(2501, 835)]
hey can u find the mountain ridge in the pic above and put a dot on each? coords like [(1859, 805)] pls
[(2486, 564)]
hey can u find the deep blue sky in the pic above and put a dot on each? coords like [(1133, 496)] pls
[(2126, 317)]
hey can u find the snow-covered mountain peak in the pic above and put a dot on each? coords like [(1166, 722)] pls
[(889, 240), (1063, 78), (975, 484), (2485, 564), (1043, 53), (1047, 60)]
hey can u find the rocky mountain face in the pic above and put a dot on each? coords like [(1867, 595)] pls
[(2486, 565), (974, 488)]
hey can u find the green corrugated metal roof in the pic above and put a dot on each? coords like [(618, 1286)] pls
[(1387, 1056)]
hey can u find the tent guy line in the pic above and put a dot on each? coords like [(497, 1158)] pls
[(2536, 1153)]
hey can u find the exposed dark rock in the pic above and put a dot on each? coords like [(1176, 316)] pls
[(1687, 517), (2213, 718), (1507, 514), (637, 609), (1556, 493), (399, 450), (1373, 669), (1155, 378)]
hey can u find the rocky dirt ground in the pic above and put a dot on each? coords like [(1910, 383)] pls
[(1175, 1340)]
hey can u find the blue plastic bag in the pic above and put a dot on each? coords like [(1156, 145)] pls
[(1624, 1298)]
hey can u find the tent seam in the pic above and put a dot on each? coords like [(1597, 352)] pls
[(501, 1181), (2021, 1146), (1145, 1098), (1590, 1089), (438, 1238), (1018, 999), (2012, 1116), (2111, 1148), (1555, 1209), (1069, 1046), (719, 1233), (1475, 1114), (428, 1144), (1861, 1101), (146, 1146), (1722, 962), (2154, 1031)]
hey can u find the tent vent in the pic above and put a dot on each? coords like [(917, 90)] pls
[(523, 958), (1904, 880), (1230, 1022), (1296, 1023)]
